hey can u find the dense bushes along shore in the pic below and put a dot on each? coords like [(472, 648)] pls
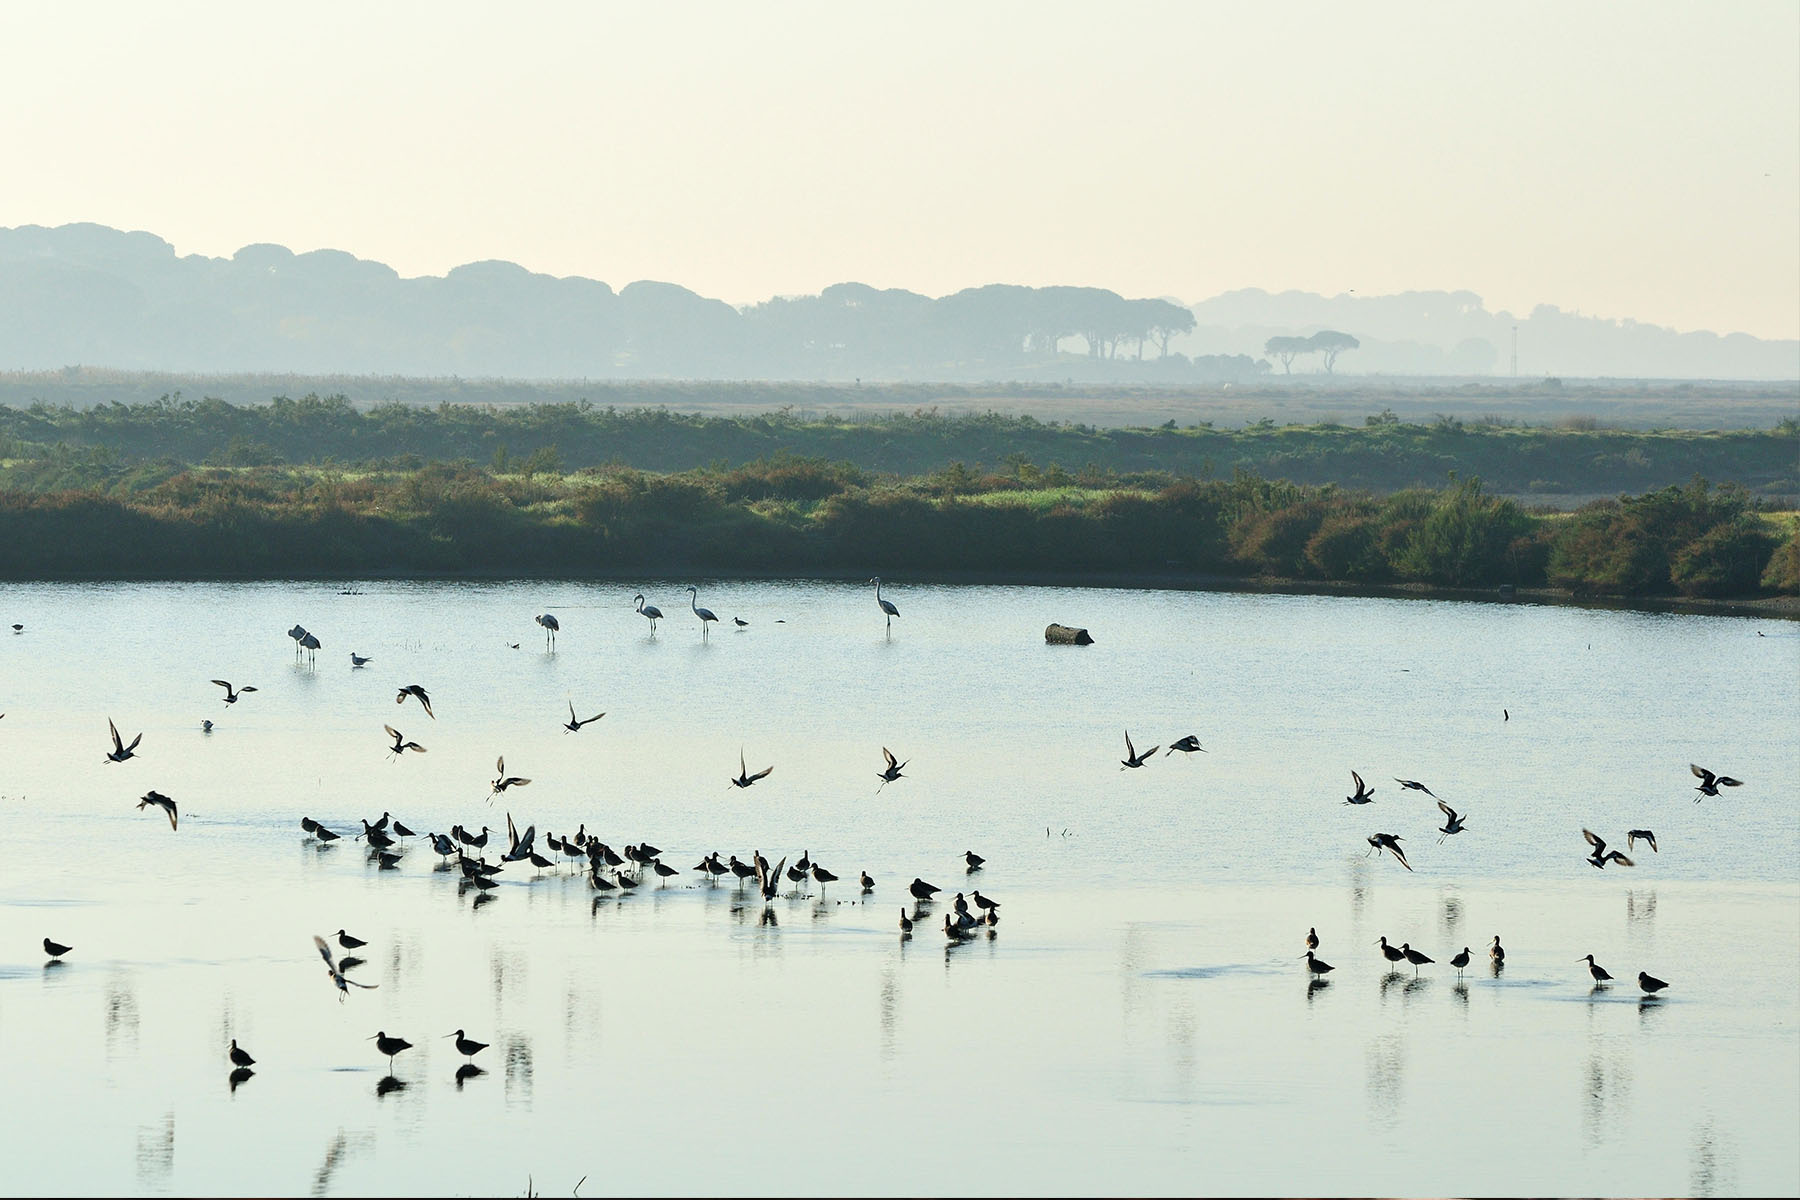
[(799, 515)]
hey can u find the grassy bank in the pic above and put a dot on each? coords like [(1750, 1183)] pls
[(795, 516)]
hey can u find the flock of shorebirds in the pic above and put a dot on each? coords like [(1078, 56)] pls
[(615, 874)]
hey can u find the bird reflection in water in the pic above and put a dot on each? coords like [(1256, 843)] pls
[(1386, 1064), (467, 1072), (156, 1150), (334, 1156), (518, 1072), (1640, 908), (389, 1083), (1314, 986), (239, 1076)]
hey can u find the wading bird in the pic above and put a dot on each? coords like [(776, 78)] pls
[(1650, 983), (311, 645), (239, 1056), (744, 778), (360, 660), (1600, 973), (413, 689), (905, 922), (400, 746), (1187, 745), (922, 890), (973, 860), (232, 694), (768, 882), (55, 949), (1416, 957), (1710, 784), (574, 723), (521, 846), (1460, 961), (1601, 855), (868, 883), (892, 771), (982, 901), (1632, 836), (551, 625), (156, 798), (1389, 842), (887, 606), (1317, 965), (648, 610), (1453, 823), (1393, 954), (706, 615), (1312, 939), (1497, 953), (389, 1046), (1363, 795), (297, 633), (466, 1046), (1415, 786), (739, 622), (120, 751), (337, 975), (1132, 757), (350, 941), (503, 780)]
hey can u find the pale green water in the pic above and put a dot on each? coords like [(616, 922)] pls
[(1139, 1023)]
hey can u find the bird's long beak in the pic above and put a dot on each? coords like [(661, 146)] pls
[(371, 1037)]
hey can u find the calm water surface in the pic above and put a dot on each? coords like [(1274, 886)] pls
[(1139, 1022)]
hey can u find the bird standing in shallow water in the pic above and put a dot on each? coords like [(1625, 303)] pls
[(350, 942), (551, 625), (389, 1046), (1710, 784), (905, 922), (1392, 953), (239, 1056), (154, 798), (648, 610), (887, 606), (1132, 757), (1312, 939), (707, 616), (973, 860), (1650, 983), (55, 949), (1461, 960), (1415, 957), (1317, 965), (922, 890), (466, 1046), (360, 660), (1600, 973)]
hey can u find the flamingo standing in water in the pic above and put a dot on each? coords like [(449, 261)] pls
[(887, 606), (706, 615), (648, 610)]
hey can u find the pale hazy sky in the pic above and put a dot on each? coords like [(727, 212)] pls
[(1626, 159)]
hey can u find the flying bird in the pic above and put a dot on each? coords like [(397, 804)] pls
[(1132, 757), (413, 689), (1601, 855), (1187, 745), (1710, 784), (1364, 793), (337, 975), (744, 778), (892, 771), (1390, 842), (505, 781), (400, 746), (574, 723), (1632, 836), (161, 801), (232, 694), (1415, 786), (1453, 822), (120, 751)]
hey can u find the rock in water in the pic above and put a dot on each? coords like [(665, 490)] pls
[(1065, 635)]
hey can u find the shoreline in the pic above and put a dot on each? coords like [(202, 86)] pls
[(1781, 608)]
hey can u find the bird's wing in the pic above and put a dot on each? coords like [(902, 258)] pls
[(1701, 773), (170, 809), (222, 683), (245, 688), (1594, 839), (1622, 860), (889, 755), (512, 833), (1401, 855), (414, 746), (426, 701), (1356, 779), (401, 698), (1728, 781), (392, 732), (1449, 813), (761, 773), (346, 979), (118, 745), (500, 765), (515, 781), (324, 952), (135, 741), (1129, 751)]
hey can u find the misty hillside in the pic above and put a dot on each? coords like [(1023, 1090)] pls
[(89, 295)]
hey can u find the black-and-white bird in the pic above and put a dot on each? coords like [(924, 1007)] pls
[(892, 770), (1710, 784), (1132, 757), (120, 751), (154, 798), (503, 781), (413, 689), (1417, 958), (744, 778), (1363, 794), (887, 606), (574, 723), (401, 745), (1415, 786), (360, 660), (1453, 822), (1601, 855), (1391, 843), (1393, 954), (337, 975), (1187, 745), (1632, 836), (231, 693), (1601, 974)]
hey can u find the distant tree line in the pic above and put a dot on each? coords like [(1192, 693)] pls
[(47, 446), (1326, 343), (798, 516)]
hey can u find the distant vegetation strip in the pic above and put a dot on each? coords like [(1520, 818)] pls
[(120, 447), (797, 516)]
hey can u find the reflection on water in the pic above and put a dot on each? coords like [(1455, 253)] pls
[(1711, 1173), (156, 1152), (238, 1077), (121, 1017), (1606, 1105), (1450, 917), (389, 1084), (1640, 909), (467, 1072), (1386, 1062), (890, 1011), (335, 1153), (518, 1072)]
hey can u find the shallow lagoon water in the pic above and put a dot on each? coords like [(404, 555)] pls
[(1140, 1022)]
